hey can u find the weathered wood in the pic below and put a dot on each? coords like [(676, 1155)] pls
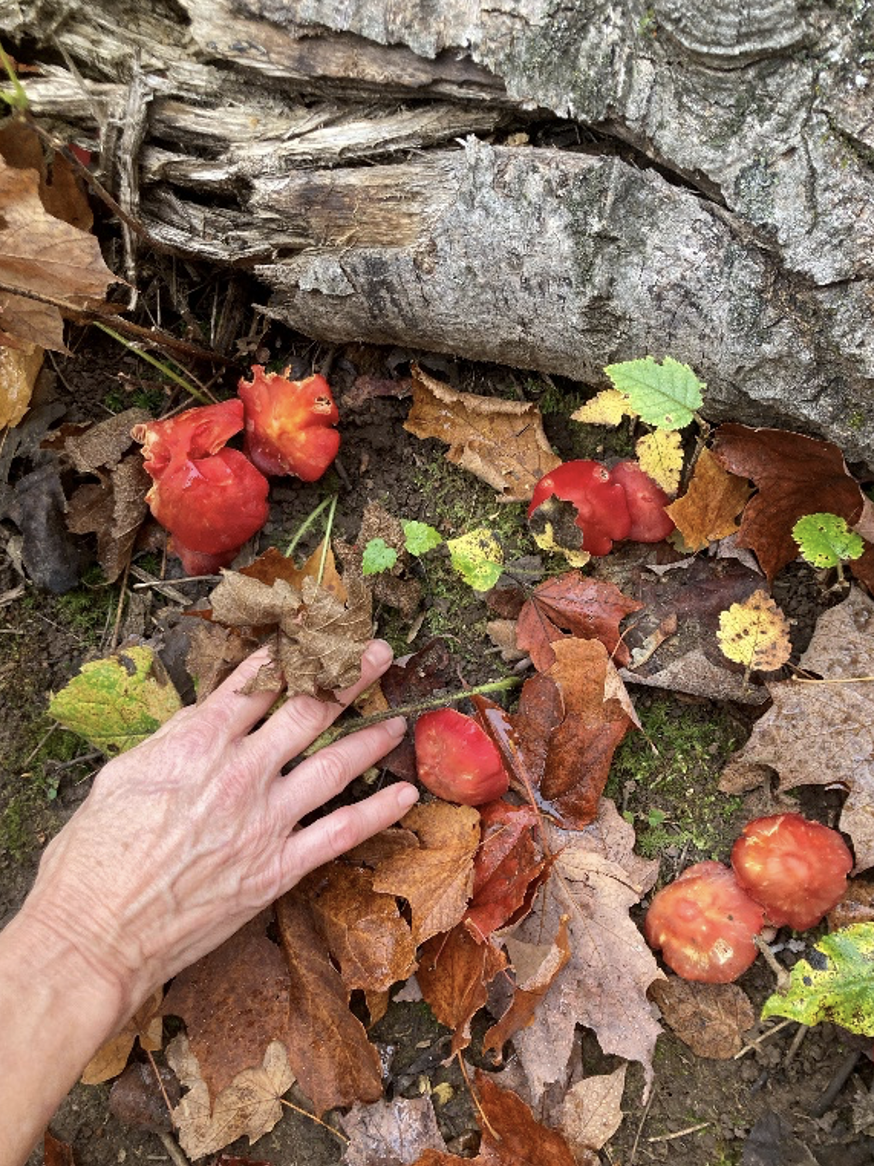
[(721, 208)]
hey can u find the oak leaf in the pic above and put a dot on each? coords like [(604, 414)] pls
[(796, 475), (595, 879), (821, 733), (590, 609), (328, 1048), (249, 1105), (755, 633), (709, 1018), (436, 877), (500, 441), (708, 510)]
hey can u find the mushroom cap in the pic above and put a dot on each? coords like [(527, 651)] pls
[(289, 424), (650, 522), (602, 510), (457, 760)]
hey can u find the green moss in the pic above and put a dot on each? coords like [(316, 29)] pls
[(665, 779), (88, 608)]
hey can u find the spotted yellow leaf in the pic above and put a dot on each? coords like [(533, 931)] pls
[(606, 408), (660, 455), (755, 633)]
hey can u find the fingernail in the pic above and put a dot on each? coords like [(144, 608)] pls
[(408, 795), (379, 653), (397, 726)]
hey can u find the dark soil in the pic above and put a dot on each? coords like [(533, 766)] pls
[(701, 1111)]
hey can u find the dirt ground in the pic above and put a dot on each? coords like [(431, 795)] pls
[(801, 1097)]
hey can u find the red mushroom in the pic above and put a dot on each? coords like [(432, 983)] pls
[(457, 760), (290, 424), (210, 498), (705, 924), (795, 868), (608, 505)]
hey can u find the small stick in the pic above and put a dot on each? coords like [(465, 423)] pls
[(774, 964), (643, 1118), (482, 1116), (306, 1113), (172, 1147), (802, 1032), (754, 1044), (838, 1081), (702, 1125)]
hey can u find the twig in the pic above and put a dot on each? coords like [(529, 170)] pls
[(172, 1147), (702, 1125), (168, 589), (306, 1113), (642, 1123), (838, 1081), (122, 594), (754, 1044), (802, 1032), (482, 1114), (774, 964)]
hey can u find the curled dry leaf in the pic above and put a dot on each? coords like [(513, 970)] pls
[(500, 441), (710, 1018), (146, 1025)]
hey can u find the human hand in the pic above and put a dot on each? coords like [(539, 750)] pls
[(184, 838)]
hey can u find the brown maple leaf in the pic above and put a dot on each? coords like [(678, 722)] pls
[(708, 510), (508, 862), (535, 966), (500, 441), (436, 877), (559, 745), (590, 609), (591, 1113), (796, 475), (454, 974), (821, 733), (595, 879), (330, 1054)]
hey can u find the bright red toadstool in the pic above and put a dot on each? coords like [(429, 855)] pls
[(795, 868), (456, 759), (705, 924), (608, 505), (290, 424), (211, 499)]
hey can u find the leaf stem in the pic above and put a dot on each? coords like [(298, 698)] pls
[(326, 541), (18, 98), (307, 523)]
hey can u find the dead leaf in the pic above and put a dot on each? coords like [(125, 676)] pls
[(214, 652), (709, 1018), (102, 445), (821, 734), (146, 1025), (796, 475), (328, 1046), (234, 1002), (592, 1111), (500, 441), (507, 862), (391, 1133), (138, 1098), (62, 193), (590, 609), (56, 1152), (755, 633), (41, 254), (391, 587), (856, 906), (364, 931), (437, 878), (114, 509), (19, 368), (273, 565), (660, 456), (596, 878), (535, 967), (249, 1105), (51, 558), (454, 973), (708, 510), (559, 745)]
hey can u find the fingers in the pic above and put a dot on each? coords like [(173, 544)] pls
[(328, 772), (340, 831), (301, 719), (232, 710)]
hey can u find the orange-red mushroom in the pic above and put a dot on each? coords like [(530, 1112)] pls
[(457, 760), (290, 424)]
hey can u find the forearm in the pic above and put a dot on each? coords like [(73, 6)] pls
[(55, 1012)]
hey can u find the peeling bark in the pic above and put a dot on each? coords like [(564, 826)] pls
[(710, 194)]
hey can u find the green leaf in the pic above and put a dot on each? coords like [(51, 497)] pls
[(378, 557), (664, 395), (837, 985), (420, 538), (825, 540), (117, 702), (478, 558)]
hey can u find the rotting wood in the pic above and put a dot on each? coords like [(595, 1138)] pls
[(720, 205)]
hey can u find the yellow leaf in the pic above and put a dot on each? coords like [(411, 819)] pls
[(660, 455), (546, 540), (755, 633), (18, 373), (606, 408)]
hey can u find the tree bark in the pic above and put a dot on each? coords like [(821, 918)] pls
[(550, 185)]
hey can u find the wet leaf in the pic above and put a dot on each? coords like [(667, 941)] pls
[(835, 984), (112, 508), (660, 455), (535, 967), (502, 442), (51, 558), (249, 1105), (796, 475), (391, 1133), (117, 702), (709, 1018), (665, 395), (437, 877), (708, 510), (454, 973), (477, 557), (571, 603), (507, 862), (825, 540), (755, 633)]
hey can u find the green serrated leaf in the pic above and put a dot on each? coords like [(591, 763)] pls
[(837, 986), (478, 558), (378, 557), (825, 540), (117, 702), (665, 395), (420, 538)]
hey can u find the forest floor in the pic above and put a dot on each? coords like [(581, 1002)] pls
[(701, 1111)]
